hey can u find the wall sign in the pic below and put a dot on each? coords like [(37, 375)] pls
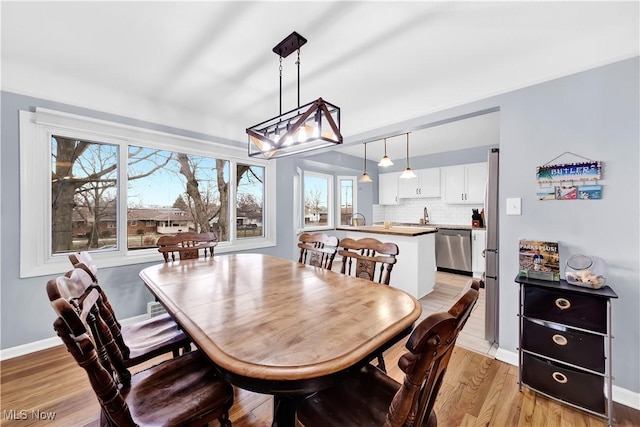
[(559, 181)]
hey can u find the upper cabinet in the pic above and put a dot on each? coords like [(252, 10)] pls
[(426, 184), (388, 188), (464, 184)]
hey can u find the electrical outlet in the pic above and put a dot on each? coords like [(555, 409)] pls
[(514, 206)]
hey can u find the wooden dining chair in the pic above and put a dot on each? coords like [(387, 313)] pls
[(317, 249), (371, 398), (368, 255), (139, 341), (177, 392), (187, 245), (85, 261)]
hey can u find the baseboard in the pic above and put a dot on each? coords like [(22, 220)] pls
[(621, 395), (32, 347), (507, 356)]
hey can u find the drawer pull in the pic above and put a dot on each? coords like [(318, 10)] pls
[(559, 339), (559, 377), (563, 303)]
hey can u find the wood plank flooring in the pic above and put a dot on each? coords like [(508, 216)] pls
[(477, 391)]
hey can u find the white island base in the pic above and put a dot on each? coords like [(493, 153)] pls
[(414, 272)]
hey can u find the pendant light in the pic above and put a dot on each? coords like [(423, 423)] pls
[(308, 127), (365, 178), (408, 173), (385, 161)]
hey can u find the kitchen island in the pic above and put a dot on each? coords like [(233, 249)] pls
[(414, 272)]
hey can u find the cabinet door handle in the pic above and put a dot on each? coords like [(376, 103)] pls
[(559, 377), (563, 303), (559, 339)]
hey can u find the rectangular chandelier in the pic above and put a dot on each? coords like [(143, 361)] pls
[(307, 127)]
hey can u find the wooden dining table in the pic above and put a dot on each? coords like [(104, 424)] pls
[(276, 326)]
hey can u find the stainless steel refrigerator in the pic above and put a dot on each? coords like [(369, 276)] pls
[(492, 281)]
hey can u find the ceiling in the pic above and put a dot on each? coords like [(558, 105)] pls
[(208, 67)]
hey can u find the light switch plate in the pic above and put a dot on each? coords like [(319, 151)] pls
[(514, 206)]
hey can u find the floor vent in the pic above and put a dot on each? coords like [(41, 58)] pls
[(155, 309)]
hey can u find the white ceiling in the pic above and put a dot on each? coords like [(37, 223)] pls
[(208, 66)]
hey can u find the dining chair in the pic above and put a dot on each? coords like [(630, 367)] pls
[(138, 341), (369, 397), (317, 249), (368, 255), (187, 245), (185, 390)]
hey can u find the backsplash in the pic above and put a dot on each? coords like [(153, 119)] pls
[(411, 210)]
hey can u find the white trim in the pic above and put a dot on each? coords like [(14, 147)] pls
[(36, 130), (625, 397), (32, 347), (621, 395), (507, 356)]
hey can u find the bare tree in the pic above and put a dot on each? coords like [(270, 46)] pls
[(313, 201), (81, 172)]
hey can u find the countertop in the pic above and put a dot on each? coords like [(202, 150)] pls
[(443, 226), (394, 230)]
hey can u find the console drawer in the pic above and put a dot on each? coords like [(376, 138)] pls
[(580, 388), (564, 344), (581, 311)]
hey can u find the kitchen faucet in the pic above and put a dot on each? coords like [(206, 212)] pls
[(358, 219), (425, 215)]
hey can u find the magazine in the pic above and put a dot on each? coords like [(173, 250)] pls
[(539, 260)]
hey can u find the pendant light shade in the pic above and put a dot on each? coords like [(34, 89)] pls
[(365, 178), (385, 161), (408, 173)]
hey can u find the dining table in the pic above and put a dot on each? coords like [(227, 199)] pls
[(275, 326)]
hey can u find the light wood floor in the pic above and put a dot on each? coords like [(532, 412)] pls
[(478, 390)]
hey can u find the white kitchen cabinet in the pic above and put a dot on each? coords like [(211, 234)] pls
[(388, 188), (478, 245), (425, 184), (464, 184)]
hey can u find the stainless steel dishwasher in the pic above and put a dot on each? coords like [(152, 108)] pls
[(453, 250)]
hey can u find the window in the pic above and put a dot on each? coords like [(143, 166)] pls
[(114, 189), (249, 201), (347, 191), (318, 196)]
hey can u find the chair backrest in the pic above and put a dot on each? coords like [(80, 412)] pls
[(80, 280), (187, 245), (430, 346), (368, 253), (72, 327), (83, 260), (317, 249)]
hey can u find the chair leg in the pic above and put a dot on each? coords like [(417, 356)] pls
[(381, 364), (224, 420)]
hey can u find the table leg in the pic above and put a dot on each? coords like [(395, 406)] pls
[(284, 410)]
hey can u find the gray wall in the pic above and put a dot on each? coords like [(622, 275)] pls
[(594, 114), (23, 302)]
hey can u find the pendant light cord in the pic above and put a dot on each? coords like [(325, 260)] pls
[(407, 149)]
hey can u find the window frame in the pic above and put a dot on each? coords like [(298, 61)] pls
[(330, 201), (36, 130)]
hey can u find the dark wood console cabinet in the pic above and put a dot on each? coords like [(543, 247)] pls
[(565, 343)]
